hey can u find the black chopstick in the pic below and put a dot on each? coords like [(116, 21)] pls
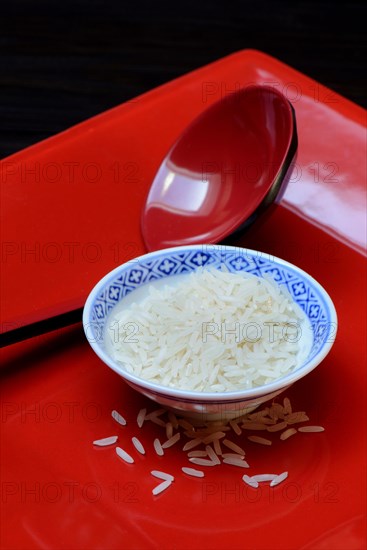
[(44, 326)]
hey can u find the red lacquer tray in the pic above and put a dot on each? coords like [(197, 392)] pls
[(71, 212)]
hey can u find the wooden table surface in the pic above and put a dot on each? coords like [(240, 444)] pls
[(62, 62)]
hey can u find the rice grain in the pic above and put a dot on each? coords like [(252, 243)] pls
[(106, 441), (260, 440), (234, 447), (171, 441), (119, 418), (278, 479), (138, 445), (287, 433), (158, 447), (162, 475), (124, 455), (161, 487), (192, 472)]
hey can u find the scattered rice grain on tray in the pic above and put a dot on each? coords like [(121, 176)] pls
[(162, 475), (287, 433), (141, 417), (169, 430), (211, 454), (260, 440), (233, 447), (313, 429), (171, 441), (197, 454), (203, 462), (232, 455), (158, 447), (278, 479), (213, 436), (236, 462), (161, 487), (264, 477), (105, 441), (118, 417), (138, 445), (296, 417), (124, 455), (217, 447), (287, 407), (253, 426), (235, 427), (251, 482), (192, 472), (277, 427)]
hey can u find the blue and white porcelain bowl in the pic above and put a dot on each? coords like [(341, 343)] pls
[(316, 339)]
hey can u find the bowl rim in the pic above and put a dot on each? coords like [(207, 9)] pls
[(208, 397)]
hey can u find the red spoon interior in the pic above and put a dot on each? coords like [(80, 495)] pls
[(225, 169)]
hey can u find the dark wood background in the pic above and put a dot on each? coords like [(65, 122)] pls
[(66, 60)]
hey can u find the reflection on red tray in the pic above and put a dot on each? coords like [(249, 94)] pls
[(70, 213)]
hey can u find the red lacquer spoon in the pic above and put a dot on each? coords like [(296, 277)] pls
[(225, 169)]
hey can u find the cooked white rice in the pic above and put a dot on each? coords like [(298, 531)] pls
[(212, 331)]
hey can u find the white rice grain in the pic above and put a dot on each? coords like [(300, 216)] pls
[(106, 441), (313, 429), (182, 358), (191, 444), (192, 472), (141, 417), (278, 479), (264, 477), (277, 427), (119, 418), (260, 440), (235, 427), (236, 462), (169, 430), (287, 433), (202, 462), (124, 455), (214, 436), (138, 445), (251, 482), (217, 447), (158, 447), (253, 426), (197, 454), (171, 441), (234, 447), (162, 475), (211, 454), (161, 487)]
